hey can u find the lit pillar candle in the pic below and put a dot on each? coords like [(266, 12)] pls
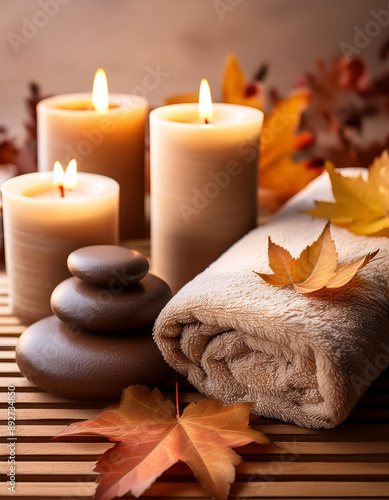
[(106, 136), (204, 168), (45, 219)]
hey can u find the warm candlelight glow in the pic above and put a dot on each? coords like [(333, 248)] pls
[(58, 174), (70, 177), (65, 180), (205, 102), (100, 91)]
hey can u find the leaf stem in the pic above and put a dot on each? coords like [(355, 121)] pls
[(177, 404)]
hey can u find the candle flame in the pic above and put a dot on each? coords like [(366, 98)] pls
[(68, 179), (205, 102), (100, 91), (58, 174)]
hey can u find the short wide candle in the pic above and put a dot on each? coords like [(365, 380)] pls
[(108, 142), (41, 229), (204, 179)]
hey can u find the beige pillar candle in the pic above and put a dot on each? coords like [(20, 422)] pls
[(41, 228), (204, 173), (108, 140)]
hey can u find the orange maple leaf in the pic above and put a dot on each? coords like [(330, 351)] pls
[(280, 141), (236, 88), (151, 438), (316, 268)]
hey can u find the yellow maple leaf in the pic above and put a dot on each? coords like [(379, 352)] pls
[(279, 132), (361, 205), (316, 268), (279, 142), (236, 88)]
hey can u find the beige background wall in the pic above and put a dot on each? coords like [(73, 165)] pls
[(185, 39)]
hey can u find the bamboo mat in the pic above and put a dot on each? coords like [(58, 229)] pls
[(350, 461)]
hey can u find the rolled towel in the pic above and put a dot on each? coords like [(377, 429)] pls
[(300, 358)]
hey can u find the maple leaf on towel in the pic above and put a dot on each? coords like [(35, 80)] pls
[(316, 268)]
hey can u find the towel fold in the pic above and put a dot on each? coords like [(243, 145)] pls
[(305, 359)]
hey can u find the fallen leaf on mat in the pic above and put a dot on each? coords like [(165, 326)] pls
[(316, 268), (151, 438), (361, 206)]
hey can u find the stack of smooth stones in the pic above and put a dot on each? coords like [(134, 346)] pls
[(100, 337)]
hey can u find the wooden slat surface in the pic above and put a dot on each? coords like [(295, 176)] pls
[(351, 461), (82, 490)]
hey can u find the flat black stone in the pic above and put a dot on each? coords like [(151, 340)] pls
[(116, 309), (79, 364), (108, 265)]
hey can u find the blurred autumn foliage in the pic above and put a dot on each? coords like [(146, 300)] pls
[(284, 166), (24, 157), (337, 112), (348, 108)]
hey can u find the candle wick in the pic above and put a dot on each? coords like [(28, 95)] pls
[(206, 121), (61, 191)]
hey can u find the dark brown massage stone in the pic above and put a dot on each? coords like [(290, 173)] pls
[(78, 364), (108, 265), (104, 310)]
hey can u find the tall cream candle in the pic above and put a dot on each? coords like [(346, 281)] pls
[(204, 173), (108, 140), (41, 228)]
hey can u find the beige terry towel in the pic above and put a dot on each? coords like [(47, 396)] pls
[(305, 359)]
